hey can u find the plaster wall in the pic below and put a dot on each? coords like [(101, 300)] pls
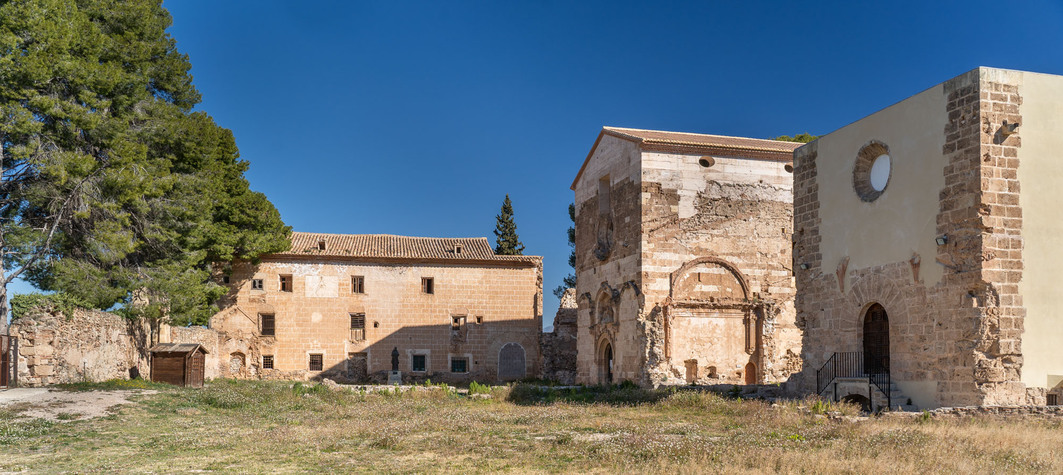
[(1040, 174), (903, 220)]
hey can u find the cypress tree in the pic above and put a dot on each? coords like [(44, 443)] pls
[(506, 241)]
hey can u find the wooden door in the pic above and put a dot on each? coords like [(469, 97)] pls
[(196, 367), (876, 340)]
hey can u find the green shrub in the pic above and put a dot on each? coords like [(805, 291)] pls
[(25, 304)]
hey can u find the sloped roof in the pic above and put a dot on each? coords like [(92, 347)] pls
[(176, 348), (683, 142), (387, 246)]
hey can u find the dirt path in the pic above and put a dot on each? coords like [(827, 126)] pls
[(64, 405)]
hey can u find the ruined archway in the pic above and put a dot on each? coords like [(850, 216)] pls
[(876, 340), (859, 400), (605, 362)]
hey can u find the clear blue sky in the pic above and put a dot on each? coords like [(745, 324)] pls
[(417, 118)]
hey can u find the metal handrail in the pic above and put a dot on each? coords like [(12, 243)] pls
[(852, 364)]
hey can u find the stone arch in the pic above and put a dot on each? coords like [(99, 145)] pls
[(604, 305), (751, 373), (512, 362), (720, 281), (875, 289), (860, 400), (604, 357), (875, 335), (237, 363)]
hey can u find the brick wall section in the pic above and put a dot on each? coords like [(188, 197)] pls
[(559, 346), (314, 317)]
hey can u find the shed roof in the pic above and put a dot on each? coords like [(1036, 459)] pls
[(684, 142), (387, 246), (177, 348)]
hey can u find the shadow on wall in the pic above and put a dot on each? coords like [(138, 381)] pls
[(458, 354)]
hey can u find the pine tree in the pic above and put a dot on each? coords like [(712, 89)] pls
[(570, 279), (506, 241), (112, 189)]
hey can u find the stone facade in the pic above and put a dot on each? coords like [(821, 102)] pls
[(683, 260), (340, 304), (938, 249), (559, 346), (85, 346)]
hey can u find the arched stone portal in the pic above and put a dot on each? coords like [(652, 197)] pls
[(751, 373), (605, 363), (512, 364), (876, 340)]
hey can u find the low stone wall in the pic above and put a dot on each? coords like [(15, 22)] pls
[(84, 346), (971, 411), (559, 346)]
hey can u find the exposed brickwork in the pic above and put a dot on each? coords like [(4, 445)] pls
[(559, 346), (497, 302), (697, 286)]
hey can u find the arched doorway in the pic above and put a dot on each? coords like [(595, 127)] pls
[(876, 340), (511, 362), (605, 364), (751, 373)]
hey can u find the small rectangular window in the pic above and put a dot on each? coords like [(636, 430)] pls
[(428, 285), (321, 245), (357, 284), (1053, 399), (267, 361), (316, 363), (225, 279), (419, 363), (479, 319), (604, 204), (357, 326), (256, 284), (269, 324), (459, 365), (457, 322), (286, 283)]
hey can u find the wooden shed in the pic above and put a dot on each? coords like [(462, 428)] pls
[(178, 363)]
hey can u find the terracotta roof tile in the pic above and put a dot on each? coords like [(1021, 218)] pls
[(387, 246)]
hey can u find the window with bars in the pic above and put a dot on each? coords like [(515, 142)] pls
[(256, 284), (286, 283), (1053, 400), (267, 361), (428, 285), (357, 284), (419, 363), (357, 326), (459, 365), (269, 324), (316, 362)]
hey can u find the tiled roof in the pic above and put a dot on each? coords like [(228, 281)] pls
[(683, 142), (176, 348), (387, 246), (660, 137)]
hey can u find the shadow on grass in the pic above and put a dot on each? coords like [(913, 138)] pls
[(623, 394)]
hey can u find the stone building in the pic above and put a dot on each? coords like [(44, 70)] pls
[(683, 260), (337, 306), (927, 246)]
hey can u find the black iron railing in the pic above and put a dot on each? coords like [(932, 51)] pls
[(853, 364)]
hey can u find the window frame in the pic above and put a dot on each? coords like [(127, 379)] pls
[(357, 332), (357, 284), (428, 285), (262, 319), (268, 362), (258, 284), (413, 363), (464, 360), (286, 279), (320, 362)]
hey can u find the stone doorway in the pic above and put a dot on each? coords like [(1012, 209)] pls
[(511, 362), (751, 373), (876, 340), (605, 364)]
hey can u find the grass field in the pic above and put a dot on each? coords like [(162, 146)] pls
[(255, 426)]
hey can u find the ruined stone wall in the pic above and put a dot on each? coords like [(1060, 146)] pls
[(607, 259), (559, 346), (86, 346), (953, 310), (501, 305), (716, 267)]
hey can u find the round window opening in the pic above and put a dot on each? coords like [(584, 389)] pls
[(872, 172)]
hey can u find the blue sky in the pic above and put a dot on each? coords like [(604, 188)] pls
[(417, 118)]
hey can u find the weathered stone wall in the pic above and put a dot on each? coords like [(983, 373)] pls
[(954, 313), (670, 221), (559, 346), (607, 258), (86, 346), (501, 303), (716, 260)]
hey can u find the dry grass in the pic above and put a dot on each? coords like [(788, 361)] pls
[(274, 427)]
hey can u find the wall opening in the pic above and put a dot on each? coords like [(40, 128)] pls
[(511, 362), (876, 340)]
